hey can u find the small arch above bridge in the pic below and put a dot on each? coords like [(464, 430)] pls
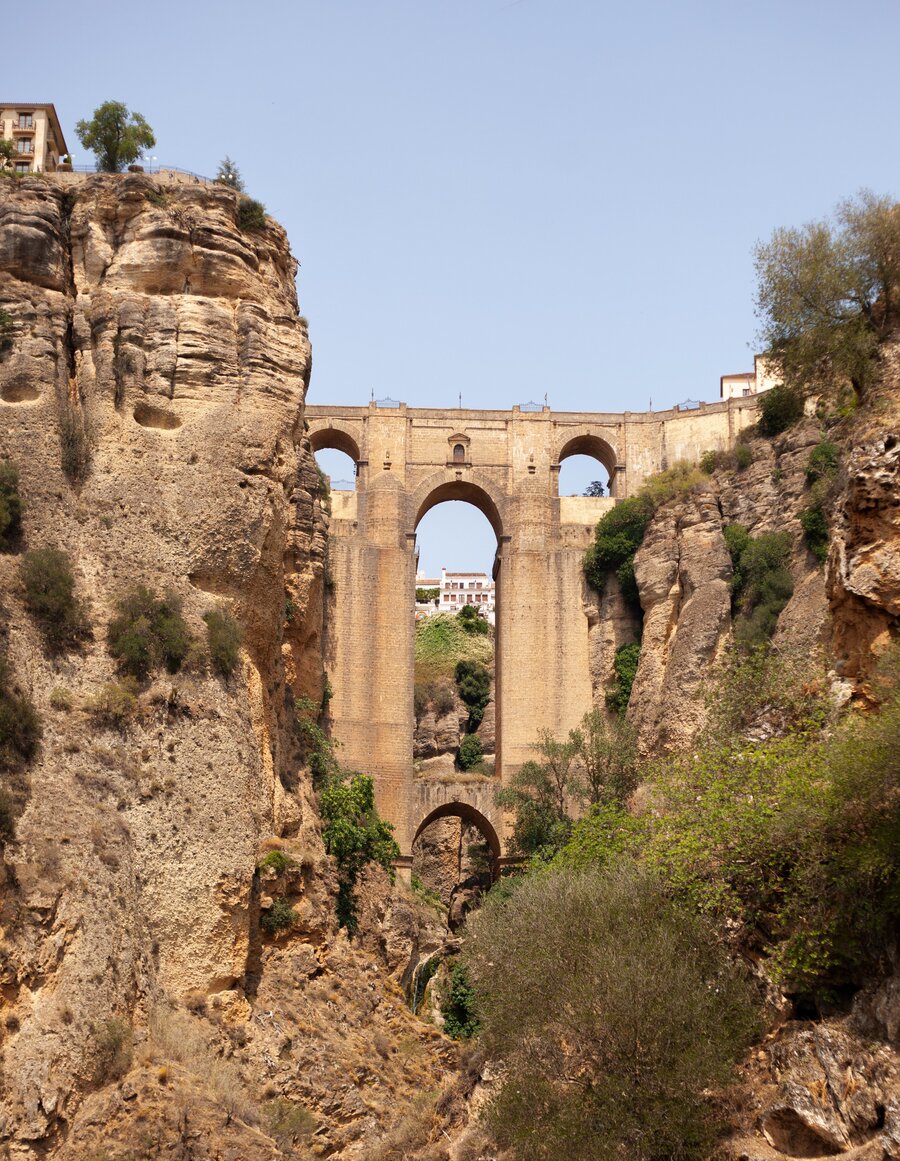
[(322, 438)]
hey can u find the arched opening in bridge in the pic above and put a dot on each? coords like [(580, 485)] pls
[(456, 856), (586, 466), (337, 457), (455, 744)]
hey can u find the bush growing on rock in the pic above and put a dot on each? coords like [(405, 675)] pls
[(617, 1057), (20, 736), (10, 504), (223, 635), (761, 583), (779, 409), (823, 462), (148, 632), (50, 597), (355, 835), (625, 667), (278, 917), (115, 703), (251, 215), (473, 683), (815, 531), (470, 751)]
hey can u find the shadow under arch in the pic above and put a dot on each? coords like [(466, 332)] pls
[(464, 490), (468, 814), (333, 437), (590, 445)]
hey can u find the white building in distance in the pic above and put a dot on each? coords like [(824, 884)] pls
[(748, 382)]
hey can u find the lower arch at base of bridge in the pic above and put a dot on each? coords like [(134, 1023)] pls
[(472, 801)]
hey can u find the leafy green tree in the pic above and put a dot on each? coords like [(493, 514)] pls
[(779, 409), (115, 136), (229, 174), (607, 753), (540, 794), (627, 1015), (473, 682), (7, 152), (424, 595), (355, 835), (595, 488), (829, 293)]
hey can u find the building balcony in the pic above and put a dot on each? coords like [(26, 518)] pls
[(22, 130)]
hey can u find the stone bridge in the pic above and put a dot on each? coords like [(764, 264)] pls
[(505, 463)]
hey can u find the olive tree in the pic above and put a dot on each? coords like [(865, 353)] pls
[(115, 136), (829, 292), (614, 1013)]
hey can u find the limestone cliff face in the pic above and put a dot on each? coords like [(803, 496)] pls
[(158, 357), (847, 609)]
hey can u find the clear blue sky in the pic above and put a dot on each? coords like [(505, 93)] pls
[(504, 198)]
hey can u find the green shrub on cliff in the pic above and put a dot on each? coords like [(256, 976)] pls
[(251, 215), (761, 583), (625, 666), (441, 642), (620, 531), (223, 635), (779, 409), (49, 584), (10, 503), (148, 632), (355, 835)]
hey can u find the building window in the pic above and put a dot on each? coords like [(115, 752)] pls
[(459, 453), (22, 167), (26, 121), (23, 145)]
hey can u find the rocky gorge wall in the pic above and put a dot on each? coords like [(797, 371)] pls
[(157, 356)]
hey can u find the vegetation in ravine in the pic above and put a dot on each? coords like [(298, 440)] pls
[(625, 664), (794, 839), (473, 684), (628, 1015)]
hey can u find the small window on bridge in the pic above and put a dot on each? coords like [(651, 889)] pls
[(459, 454)]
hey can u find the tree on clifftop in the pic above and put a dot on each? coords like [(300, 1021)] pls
[(829, 293), (115, 136)]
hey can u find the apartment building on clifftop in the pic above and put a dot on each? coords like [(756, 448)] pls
[(36, 135)]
